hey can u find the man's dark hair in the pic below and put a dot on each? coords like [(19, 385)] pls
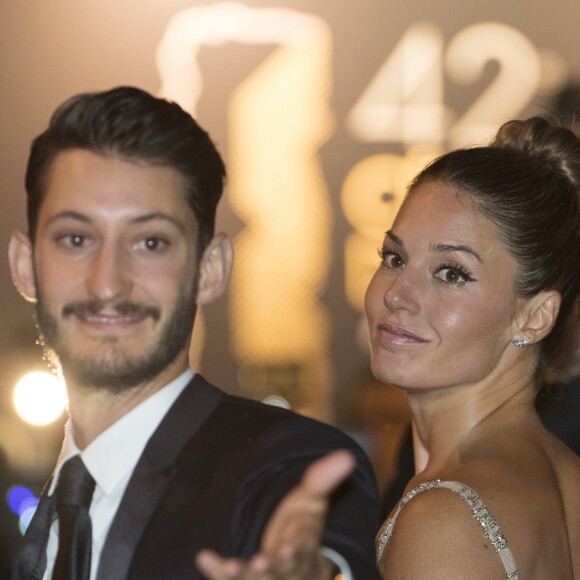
[(132, 124)]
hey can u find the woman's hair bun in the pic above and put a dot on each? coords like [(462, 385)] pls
[(555, 142)]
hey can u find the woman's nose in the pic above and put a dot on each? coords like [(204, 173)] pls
[(401, 291)]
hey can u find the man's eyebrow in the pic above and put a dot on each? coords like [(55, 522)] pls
[(74, 215), (395, 238), (156, 216), (456, 248)]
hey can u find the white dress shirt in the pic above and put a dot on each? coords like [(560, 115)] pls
[(111, 459)]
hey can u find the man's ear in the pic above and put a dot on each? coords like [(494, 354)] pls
[(21, 265), (538, 316), (214, 269)]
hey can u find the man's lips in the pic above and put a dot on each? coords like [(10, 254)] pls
[(398, 335), (99, 313), (108, 318)]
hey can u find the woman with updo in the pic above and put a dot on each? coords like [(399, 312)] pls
[(472, 310)]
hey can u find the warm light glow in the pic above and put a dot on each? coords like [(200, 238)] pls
[(278, 118), (196, 27), (40, 398), (280, 193), (511, 90), (404, 101)]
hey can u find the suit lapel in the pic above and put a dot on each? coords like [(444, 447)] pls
[(143, 493), (152, 475)]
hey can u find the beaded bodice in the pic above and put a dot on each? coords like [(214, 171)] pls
[(489, 526)]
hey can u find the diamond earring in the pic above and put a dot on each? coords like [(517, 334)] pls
[(520, 342)]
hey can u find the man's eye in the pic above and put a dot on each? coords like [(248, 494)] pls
[(152, 244), (72, 240)]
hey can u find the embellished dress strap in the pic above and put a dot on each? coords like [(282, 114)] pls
[(480, 512)]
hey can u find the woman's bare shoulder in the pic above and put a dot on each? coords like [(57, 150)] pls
[(519, 464), (442, 527), (436, 536), (532, 479), (532, 492)]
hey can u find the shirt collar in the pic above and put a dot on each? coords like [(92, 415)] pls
[(115, 452)]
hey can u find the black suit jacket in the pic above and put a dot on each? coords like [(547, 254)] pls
[(210, 477)]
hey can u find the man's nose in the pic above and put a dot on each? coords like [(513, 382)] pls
[(109, 276)]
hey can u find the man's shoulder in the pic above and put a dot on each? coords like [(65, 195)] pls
[(258, 420), (272, 418)]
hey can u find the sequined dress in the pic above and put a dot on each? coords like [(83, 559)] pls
[(489, 526)]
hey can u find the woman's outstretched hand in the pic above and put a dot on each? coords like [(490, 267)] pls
[(291, 542)]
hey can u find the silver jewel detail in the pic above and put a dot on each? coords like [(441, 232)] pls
[(479, 510), (485, 519), (386, 531), (520, 342), (383, 537), (417, 490)]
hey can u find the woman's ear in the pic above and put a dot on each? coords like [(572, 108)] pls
[(538, 316), (22, 266), (214, 269)]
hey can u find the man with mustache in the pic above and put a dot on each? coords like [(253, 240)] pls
[(122, 192)]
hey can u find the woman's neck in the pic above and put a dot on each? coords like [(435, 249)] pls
[(446, 420)]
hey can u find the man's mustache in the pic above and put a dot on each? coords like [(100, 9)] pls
[(95, 306)]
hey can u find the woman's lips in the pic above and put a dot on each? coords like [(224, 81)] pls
[(397, 335)]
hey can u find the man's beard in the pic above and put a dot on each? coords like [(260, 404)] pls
[(117, 372)]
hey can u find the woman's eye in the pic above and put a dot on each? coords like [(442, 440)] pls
[(391, 260), (454, 275)]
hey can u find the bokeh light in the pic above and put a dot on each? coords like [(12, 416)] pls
[(23, 502), (40, 398), (277, 401)]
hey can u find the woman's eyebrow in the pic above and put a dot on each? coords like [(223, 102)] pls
[(395, 238), (444, 248), (456, 248)]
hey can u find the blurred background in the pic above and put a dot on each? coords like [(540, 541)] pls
[(323, 110)]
